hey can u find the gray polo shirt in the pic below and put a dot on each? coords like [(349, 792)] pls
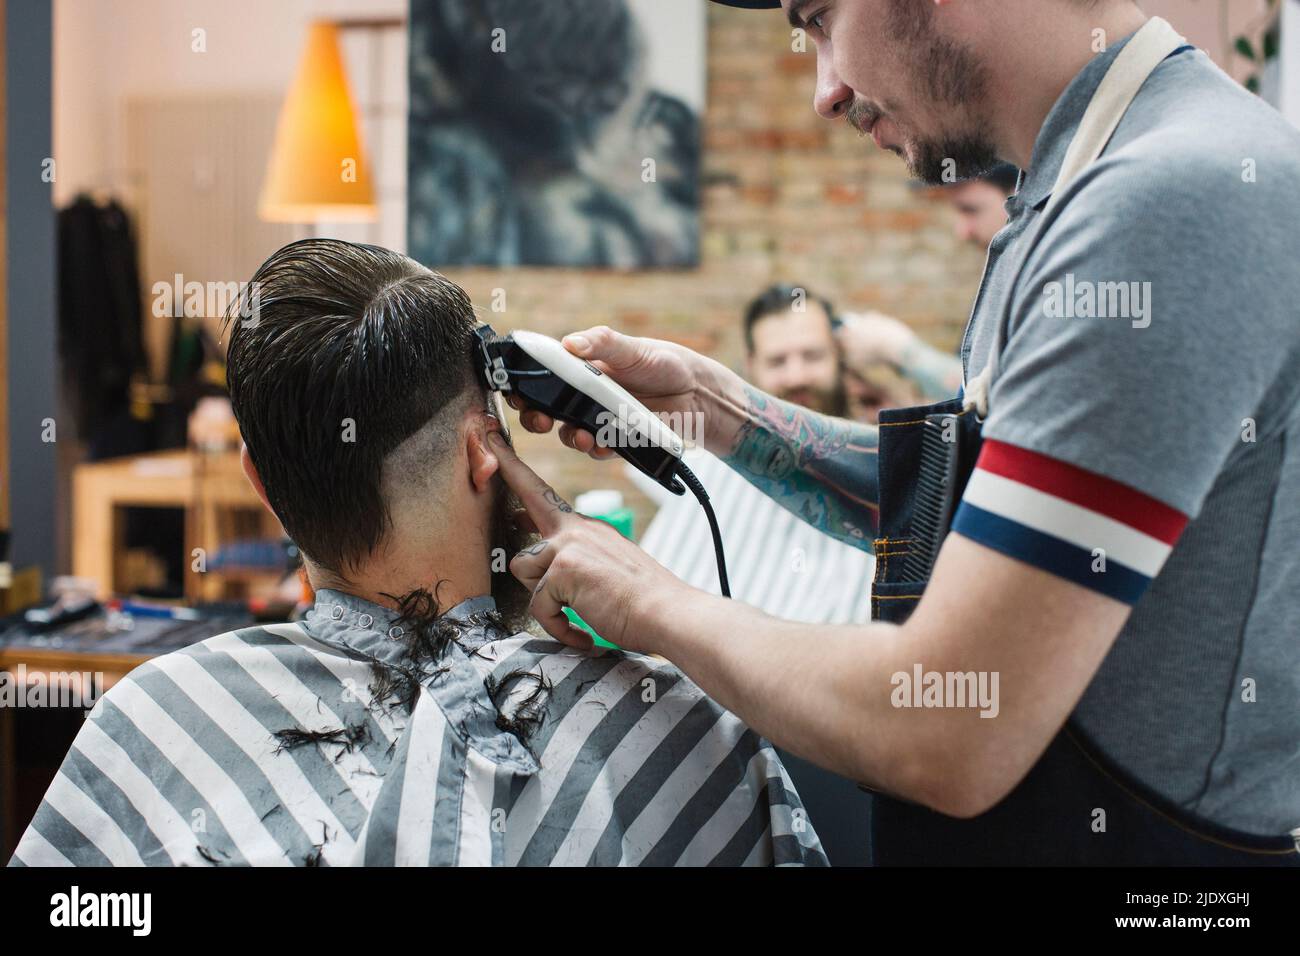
[(1143, 437)]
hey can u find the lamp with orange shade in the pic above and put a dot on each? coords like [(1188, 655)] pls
[(318, 171)]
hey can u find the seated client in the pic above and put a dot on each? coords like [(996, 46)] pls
[(408, 718)]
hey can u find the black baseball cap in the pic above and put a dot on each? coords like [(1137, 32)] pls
[(751, 4)]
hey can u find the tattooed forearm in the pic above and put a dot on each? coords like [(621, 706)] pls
[(820, 467), (935, 373)]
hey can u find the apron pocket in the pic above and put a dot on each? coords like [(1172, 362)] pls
[(887, 551), (895, 601)]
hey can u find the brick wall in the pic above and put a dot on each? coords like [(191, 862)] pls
[(786, 196)]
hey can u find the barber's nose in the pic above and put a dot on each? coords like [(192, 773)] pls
[(832, 97)]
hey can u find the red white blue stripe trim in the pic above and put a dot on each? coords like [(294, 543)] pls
[(1062, 518)]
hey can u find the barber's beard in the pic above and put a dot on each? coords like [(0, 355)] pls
[(946, 161), (949, 76), (507, 539)]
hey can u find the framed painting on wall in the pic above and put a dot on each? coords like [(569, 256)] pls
[(563, 133)]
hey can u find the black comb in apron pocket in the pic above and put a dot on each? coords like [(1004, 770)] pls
[(927, 456)]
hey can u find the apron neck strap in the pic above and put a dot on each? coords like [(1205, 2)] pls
[(1119, 87), (1144, 52)]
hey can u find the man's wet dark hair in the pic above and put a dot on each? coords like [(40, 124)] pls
[(338, 353), (779, 300)]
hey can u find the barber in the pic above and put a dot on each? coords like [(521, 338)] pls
[(1101, 665)]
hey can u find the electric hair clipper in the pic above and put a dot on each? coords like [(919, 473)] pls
[(551, 379)]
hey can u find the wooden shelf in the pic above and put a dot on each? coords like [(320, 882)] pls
[(207, 486)]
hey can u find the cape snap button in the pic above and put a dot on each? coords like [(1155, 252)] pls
[(394, 632), (366, 620), (338, 612)]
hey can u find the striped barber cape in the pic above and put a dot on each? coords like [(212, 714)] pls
[(293, 744)]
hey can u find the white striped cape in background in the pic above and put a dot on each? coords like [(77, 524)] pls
[(776, 562), (187, 761)]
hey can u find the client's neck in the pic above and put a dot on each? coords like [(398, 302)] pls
[(453, 568)]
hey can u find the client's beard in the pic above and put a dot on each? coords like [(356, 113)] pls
[(508, 539), (829, 401)]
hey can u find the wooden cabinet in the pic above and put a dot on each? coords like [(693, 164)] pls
[(218, 501)]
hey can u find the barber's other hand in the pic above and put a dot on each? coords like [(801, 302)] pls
[(582, 563), (663, 376), (870, 338)]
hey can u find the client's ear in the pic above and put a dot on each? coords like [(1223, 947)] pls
[(483, 461), (254, 479)]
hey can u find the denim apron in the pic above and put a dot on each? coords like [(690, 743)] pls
[(1049, 818)]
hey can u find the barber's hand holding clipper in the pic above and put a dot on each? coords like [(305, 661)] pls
[(663, 376)]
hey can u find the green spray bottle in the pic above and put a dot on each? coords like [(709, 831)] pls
[(607, 505)]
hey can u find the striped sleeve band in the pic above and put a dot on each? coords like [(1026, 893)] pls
[(1068, 521)]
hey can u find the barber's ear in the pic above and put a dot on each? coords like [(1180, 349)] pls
[(254, 479), (483, 461)]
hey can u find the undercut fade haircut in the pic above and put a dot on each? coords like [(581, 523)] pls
[(338, 353), (779, 300)]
